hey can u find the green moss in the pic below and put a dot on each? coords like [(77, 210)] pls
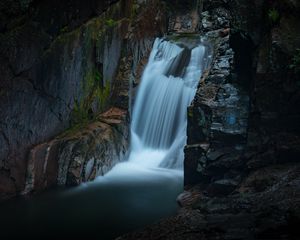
[(98, 76), (94, 94), (102, 95), (111, 23), (89, 82), (80, 113), (273, 15), (64, 30), (134, 10)]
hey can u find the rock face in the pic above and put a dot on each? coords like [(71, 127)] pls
[(242, 156), (79, 155), (244, 108), (60, 72), (218, 117), (247, 102), (184, 16)]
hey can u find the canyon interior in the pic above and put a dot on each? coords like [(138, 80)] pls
[(156, 119)]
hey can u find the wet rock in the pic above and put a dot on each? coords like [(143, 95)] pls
[(215, 18), (222, 187), (214, 155), (184, 17), (266, 214), (249, 175), (189, 198), (79, 156), (207, 23), (264, 178), (62, 66), (195, 162), (200, 119), (222, 105), (262, 160), (216, 79)]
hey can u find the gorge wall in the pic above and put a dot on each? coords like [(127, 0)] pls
[(242, 168), (245, 114), (67, 85), (63, 63)]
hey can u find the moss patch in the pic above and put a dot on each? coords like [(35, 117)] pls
[(111, 23), (95, 98)]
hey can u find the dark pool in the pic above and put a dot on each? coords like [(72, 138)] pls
[(104, 209)]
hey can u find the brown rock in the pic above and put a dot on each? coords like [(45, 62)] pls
[(79, 156), (224, 32)]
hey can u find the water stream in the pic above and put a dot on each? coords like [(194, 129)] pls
[(142, 189), (159, 121)]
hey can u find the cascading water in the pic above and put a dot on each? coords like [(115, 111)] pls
[(158, 127), (144, 188)]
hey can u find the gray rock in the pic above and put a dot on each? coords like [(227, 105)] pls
[(57, 58)]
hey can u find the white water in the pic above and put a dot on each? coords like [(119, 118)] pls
[(158, 128), (141, 190)]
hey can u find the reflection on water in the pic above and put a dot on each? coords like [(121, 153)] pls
[(105, 208)]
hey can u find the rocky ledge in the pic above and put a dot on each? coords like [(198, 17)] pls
[(79, 155)]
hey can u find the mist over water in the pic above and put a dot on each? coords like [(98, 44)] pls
[(142, 189)]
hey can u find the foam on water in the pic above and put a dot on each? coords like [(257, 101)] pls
[(142, 189), (159, 121)]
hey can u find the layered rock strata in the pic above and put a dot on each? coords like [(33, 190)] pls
[(59, 73)]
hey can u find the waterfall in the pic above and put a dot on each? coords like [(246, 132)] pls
[(143, 189), (159, 118)]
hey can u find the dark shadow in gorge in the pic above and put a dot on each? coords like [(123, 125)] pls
[(243, 53), (103, 208)]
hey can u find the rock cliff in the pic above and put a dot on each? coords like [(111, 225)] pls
[(62, 63), (68, 83), (242, 155)]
